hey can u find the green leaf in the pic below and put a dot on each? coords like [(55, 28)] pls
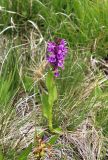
[(49, 80), (55, 92), (51, 98), (53, 139), (45, 105), (24, 154), (52, 95), (57, 130)]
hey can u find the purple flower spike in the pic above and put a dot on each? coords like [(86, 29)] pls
[(51, 47), (60, 64), (56, 74), (51, 58), (58, 51)]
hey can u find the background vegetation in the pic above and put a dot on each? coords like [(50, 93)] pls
[(25, 28)]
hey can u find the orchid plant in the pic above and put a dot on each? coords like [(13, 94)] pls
[(56, 53)]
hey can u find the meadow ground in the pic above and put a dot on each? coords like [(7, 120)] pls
[(81, 109)]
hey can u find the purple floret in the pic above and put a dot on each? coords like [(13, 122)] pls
[(58, 51), (51, 47)]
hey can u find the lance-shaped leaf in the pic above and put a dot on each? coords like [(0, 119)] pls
[(53, 139), (24, 154), (45, 105), (52, 95), (49, 80)]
